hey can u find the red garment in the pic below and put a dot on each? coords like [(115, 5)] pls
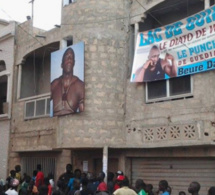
[(116, 186), (50, 189), (39, 179), (102, 187)]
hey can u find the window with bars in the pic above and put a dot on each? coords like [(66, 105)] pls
[(174, 88), (29, 164)]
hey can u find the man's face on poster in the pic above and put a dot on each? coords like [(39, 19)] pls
[(154, 57), (68, 62)]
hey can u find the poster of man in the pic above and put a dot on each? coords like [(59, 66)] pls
[(182, 48), (155, 68), (67, 80)]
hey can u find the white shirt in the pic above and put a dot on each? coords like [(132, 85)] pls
[(11, 192)]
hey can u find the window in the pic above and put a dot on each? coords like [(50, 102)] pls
[(160, 15), (34, 72), (67, 2), (67, 41), (29, 164), (37, 108), (174, 88), (2, 66), (3, 95)]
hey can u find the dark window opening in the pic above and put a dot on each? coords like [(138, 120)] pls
[(160, 91), (36, 71), (69, 42), (170, 11), (3, 95), (2, 65), (174, 89), (180, 85)]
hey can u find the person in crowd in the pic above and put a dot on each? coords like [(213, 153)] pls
[(211, 191), (92, 182), (34, 175), (77, 176), (25, 186), (102, 185), (149, 189), (43, 189), (76, 187), (10, 178), (2, 188), (57, 192), (85, 190), (51, 180), (40, 176), (83, 175), (101, 193), (116, 185), (124, 188), (14, 183), (18, 172), (163, 185), (110, 183), (169, 189), (181, 193), (194, 188), (18, 176), (47, 183), (65, 177), (140, 187), (60, 186)]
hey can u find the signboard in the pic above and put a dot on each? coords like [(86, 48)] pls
[(67, 80), (85, 166), (182, 48)]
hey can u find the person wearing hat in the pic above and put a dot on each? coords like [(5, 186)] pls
[(124, 187), (116, 185), (13, 189)]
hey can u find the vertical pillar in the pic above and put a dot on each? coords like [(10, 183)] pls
[(207, 4), (62, 160), (19, 80), (105, 161)]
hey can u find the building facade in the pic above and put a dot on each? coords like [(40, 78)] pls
[(7, 47), (124, 125)]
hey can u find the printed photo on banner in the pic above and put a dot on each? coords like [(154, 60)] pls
[(182, 48), (67, 80)]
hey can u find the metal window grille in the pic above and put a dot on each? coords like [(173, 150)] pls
[(163, 90), (29, 164)]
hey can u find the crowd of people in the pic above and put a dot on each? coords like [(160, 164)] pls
[(79, 183)]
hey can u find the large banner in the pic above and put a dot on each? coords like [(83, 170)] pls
[(182, 48), (67, 80)]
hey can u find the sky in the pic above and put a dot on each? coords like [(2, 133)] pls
[(47, 13)]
